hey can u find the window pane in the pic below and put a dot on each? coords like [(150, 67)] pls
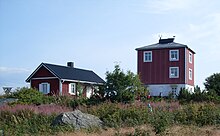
[(45, 88), (148, 56), (174, 55), (174, 72), (72, 88)]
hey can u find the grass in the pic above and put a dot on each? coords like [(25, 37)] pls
[(177, 130), (134, 119)]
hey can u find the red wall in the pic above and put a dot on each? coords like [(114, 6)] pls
[(65, 89), (54, 84), (191, 66), (43, 72), (157, 71)]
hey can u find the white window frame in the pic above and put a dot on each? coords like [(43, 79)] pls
[(72, 86), (190, 57), (177, 57), (190, 74), (41, 87), (148, 52), (174, 91), (173, 76)]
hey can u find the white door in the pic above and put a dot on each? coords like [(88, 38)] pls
[(88, 91)]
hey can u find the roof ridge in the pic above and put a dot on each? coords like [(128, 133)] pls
[(66, 66)]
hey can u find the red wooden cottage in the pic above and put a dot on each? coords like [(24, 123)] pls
[(64, 80), (166, 67)]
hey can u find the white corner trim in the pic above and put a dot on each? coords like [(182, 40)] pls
[(61, 87)]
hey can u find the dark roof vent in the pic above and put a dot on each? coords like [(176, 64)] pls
[(70, 64), (165, 41)]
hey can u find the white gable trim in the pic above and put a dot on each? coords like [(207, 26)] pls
[(44, 78), (42, 64)]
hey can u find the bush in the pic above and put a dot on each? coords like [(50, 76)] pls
[(207, 115), (184, 95), (123, 87), (198, 114), (198, 96), (160, 120), (29, 96)]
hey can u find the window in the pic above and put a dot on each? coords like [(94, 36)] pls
[(148, 56), (44, 88), (190, 57), (174, 55), (190, 74), (72, 88), (174, 72), (174, 89)]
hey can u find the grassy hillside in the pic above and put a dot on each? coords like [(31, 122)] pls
[(33, 114)]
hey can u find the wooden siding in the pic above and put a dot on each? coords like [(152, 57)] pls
[(54, 85), (189, 66), (65, 89), (157, 71), (43, 72)]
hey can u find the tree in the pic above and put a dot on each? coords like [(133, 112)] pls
[(122, 86), (213, 83)]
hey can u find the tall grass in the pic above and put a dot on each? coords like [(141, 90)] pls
[(163, 115), (31, 119), (46, 109)]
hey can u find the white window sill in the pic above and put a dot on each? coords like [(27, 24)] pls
[(72, 93), (174, 59), (147, 61), (174, 77)]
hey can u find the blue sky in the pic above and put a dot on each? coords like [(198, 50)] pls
[(97, 34)]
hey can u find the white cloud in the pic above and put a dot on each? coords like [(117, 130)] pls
[(13, 70)]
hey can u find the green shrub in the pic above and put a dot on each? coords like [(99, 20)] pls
[(198, 114), (28, 96), (207, 115), (160, 120), (77, 102), (184, 95), (128, 97), (134, 116)]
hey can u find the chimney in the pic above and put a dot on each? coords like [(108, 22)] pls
[(70, 64), (165, 41)]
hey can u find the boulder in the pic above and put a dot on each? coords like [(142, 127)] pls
[(77, 119)]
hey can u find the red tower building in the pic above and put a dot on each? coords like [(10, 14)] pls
[(166, 67)]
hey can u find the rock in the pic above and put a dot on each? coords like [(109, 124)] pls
[(78, 120)]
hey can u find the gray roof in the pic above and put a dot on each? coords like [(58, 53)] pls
[(163, 46), (70, 73)]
